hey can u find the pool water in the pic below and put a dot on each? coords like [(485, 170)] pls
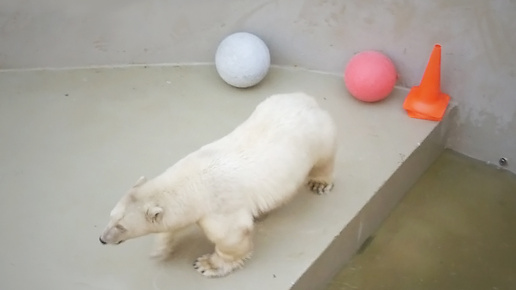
[(455, 229)]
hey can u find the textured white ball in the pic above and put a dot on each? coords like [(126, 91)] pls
[(242, 59)]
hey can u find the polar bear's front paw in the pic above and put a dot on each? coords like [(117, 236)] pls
[(212, 265), (320, 187)]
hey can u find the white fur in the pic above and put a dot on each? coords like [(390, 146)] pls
[(287, 141)]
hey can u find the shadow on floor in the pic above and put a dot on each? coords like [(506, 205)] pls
[(455, 229)]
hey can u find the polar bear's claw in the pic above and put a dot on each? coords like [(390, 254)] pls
[(320, 187)]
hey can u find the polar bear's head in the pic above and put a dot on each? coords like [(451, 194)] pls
[(133, 216)]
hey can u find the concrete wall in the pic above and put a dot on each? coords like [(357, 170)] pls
[(478, 37)]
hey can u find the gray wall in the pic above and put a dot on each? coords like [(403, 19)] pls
[(478, 39)]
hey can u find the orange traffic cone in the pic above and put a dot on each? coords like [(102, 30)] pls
[(426, 101)]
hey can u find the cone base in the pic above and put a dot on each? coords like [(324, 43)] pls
[(422, 104)]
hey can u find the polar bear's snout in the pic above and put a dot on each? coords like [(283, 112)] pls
[(112, 235), (107, 238), (105, 243)]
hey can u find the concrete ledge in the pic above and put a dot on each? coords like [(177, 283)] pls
[(73, 141)]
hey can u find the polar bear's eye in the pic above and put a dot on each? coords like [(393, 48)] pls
[(120, 228)]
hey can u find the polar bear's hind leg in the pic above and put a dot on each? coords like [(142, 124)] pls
[(320, 178)]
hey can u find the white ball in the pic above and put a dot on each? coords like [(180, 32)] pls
[(242, 60)]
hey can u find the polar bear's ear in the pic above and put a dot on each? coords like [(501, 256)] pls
[(154, 214), (140, 181)]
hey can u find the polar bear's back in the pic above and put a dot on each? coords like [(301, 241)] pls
[(287, 121), (267, 158)]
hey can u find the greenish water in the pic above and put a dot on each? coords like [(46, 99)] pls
[(455, 229)]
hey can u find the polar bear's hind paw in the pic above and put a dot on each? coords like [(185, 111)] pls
[(320, 187)]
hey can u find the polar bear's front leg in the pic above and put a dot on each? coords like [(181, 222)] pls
[(232, 236), (164, 245)]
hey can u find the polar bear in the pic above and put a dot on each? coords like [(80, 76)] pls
[(287, 141)]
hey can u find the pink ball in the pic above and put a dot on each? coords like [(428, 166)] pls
[(370, 76)]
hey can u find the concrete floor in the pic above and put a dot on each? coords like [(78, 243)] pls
[(455, 229), (73, 141)]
